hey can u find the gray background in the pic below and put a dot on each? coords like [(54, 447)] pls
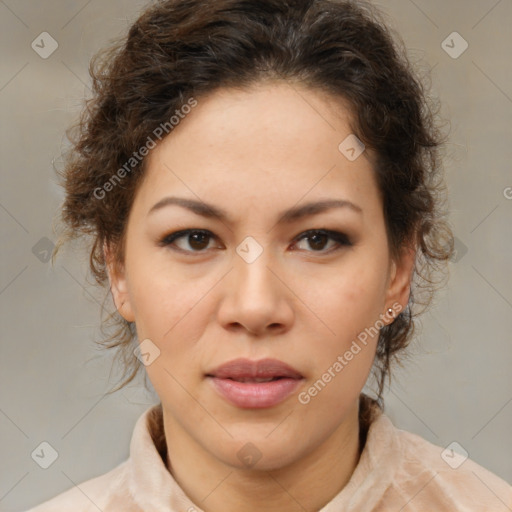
[(457, 385)]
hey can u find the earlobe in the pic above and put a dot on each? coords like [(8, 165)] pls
[(118, 285)]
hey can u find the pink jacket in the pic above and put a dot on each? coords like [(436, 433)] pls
[(397, 471)]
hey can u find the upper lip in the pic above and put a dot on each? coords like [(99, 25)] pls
[(262, 369)]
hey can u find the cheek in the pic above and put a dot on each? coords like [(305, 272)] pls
[(349, 305), (341, 362), (174, 317), (168, 308), (348, 299)]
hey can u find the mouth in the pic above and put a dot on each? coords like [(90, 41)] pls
[(255, 384), (254, 379)]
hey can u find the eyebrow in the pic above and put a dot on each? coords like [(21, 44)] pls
[(285, 217)]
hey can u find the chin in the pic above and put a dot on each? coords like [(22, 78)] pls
[(260, 453)]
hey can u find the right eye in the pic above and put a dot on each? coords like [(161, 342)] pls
[(192, 240)]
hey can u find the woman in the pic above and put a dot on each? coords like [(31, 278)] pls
[(261, 184)]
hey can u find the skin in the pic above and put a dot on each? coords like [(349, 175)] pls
[(255, 153)]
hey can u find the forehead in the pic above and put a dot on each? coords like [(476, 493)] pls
[(278, 140), (275, 115)]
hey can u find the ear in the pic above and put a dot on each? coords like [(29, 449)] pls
[(118, 284), (399, 285)]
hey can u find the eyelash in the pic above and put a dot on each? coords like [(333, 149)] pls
[(340, 238)]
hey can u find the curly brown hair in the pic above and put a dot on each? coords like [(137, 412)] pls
[(182, 49)]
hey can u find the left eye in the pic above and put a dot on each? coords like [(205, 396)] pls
[(318, 238)]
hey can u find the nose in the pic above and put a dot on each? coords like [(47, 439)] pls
[(255, 297)]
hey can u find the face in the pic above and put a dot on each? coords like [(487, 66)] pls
[(246, 267)]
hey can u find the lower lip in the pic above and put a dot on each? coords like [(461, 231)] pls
[(255, 395)]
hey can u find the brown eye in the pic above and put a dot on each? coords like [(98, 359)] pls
[(190, 240), (318, 239), (197, 240)]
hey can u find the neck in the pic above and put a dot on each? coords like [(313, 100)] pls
[(216, 486)]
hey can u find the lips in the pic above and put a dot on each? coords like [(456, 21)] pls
[(255, 384), (245, 370)]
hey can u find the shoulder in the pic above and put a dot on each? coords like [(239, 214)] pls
[(141, 479), (106, 492), (430, 475)]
